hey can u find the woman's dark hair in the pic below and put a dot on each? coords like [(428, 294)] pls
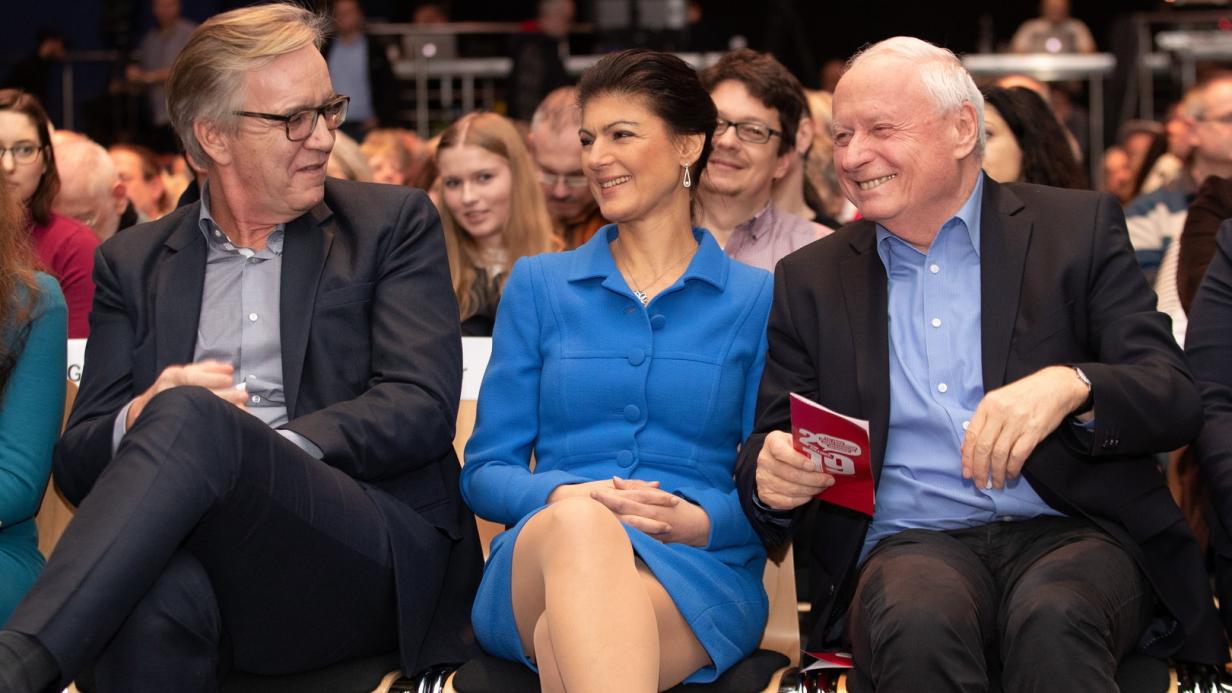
[(1046, 155), (49, 184), (1159, 147), (669, 87)]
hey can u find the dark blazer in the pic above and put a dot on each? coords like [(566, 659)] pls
[(1059, 286), (372, 373), (1210, 207)]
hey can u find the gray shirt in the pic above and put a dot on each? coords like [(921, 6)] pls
[(159, 49), (239, 322)]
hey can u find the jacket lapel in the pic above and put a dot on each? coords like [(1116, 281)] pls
[(1005, 234), (305, 246), (177, 294), (864, 293)]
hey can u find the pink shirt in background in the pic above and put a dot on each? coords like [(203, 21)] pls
[(763, 240), (66, 247)]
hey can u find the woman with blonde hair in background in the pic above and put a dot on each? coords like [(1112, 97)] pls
[(492, 212)]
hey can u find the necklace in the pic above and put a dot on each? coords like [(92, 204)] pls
[(638, 290)]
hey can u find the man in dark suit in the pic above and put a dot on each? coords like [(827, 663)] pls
[(1004, 346), (261, 449)]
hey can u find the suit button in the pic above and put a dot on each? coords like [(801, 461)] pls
[(632, 414), (657, 322), (636, 357), (624, 458)]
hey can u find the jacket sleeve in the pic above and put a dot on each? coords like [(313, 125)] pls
[(405, 417), (497, 482)]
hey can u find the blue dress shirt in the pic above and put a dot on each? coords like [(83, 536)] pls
[(936, 382)]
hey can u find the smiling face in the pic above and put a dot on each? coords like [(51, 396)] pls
[(477, 187), (1002, 155), (266, 177), (18, 129), (901, 162), (737, 167), (631, 159)]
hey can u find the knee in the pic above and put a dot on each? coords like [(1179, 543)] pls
[(581, 523), (909, 616), (1049, 613), (188, 401), (180, 604)]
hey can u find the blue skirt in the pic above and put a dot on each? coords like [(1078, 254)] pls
[(719, 593)]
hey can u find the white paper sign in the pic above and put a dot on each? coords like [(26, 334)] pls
[(76, 359), (475, 354)]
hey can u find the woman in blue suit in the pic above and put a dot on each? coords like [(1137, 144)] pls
[(33, 324), (628, 368)]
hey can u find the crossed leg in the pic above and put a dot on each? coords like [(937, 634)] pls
[(589, 612)]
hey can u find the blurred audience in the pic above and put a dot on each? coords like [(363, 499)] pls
[(157, 51), (554, 145), (33, 317), (143, 181), (33, 74), (64, 246), (539, 55), (346, 161), (1118, 174), (1177, 147), (359, 68), (1054, 31), (492, 213), (761, 107), (90, 187), (1025, 143), (388, 158)]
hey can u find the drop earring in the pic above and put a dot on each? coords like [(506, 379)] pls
[(688, 180)]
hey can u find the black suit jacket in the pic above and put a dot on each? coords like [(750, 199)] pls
[(372, 368), (1059, 285)]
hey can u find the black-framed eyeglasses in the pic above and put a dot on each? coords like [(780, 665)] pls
[(24, 152), (301, 124), (570, 181), (747, 131)]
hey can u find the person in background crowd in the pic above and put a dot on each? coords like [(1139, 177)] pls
[(1025, 143), (539, 54), (1118, 174), (1169, 164), (33, 75), (554, 145), (761, 106), (1054, 31), (90, 187), (261, 450), (64, 246), (1155, 220), (629, 566), (33, 319), (360, 69), (158, 50), (492, 212), (806, 190), (819, 168), (387, 156), (1058, 103), (142, 178), (1004, 348), (346, 161)]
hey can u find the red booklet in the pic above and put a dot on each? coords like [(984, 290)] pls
[(839, 445)]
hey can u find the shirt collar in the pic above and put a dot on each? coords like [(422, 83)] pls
[(968, 215), (593, 259), (208, 226)]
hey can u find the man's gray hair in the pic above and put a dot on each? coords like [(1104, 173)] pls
[(941, 72), (207, 78), (559, 111), (87, 182)]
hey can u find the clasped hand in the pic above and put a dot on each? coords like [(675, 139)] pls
[(215, 376), (643, 505)]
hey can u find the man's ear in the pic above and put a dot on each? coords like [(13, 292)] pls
[(215, 142), (119, 194), (805, 133), (966, 125)]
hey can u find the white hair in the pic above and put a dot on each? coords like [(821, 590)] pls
[(87, 183), (941, 73)]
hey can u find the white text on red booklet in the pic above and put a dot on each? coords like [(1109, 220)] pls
[(838, 446)]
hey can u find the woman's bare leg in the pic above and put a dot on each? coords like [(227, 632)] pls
[(573, 563)]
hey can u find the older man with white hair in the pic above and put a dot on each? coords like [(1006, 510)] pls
[(1004, 347), (90, 187), (261, 450)]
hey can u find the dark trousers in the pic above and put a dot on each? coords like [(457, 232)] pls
[(211, 542), (1042, 605)]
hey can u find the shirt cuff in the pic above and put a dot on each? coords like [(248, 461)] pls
[(782, 518), (119, 428), (302, 443)]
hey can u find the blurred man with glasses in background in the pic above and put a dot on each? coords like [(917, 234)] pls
[(261, 450), (760, 107), (557, 152)]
